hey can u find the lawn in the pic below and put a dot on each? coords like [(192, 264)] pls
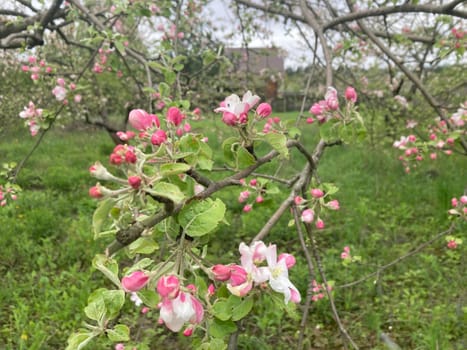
[(47, 245)]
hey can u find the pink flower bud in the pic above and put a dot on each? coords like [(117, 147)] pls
[(34, 76), (238, 275), (308, 216), (289, 259), (211, 289), (463, 199), (189, 331), (168, 286), (253, 182), (452, 244), (316, 193), (433, 156), (25, 68), (298, 200), (316, 109), (95, 192), (134, 282), (334, 204), (139, 119), (116, 159), (259, 199), (119, 346), (174, 116), (130, 157), (264, 110), (32, 59), (144, 310), (350, 94), (347, 249), (247, 208), (243, 196), (319, 224), (221, 272), (158, 137), (134, 181), (454, 202), (61, 82), (310, 120), (344, 255)]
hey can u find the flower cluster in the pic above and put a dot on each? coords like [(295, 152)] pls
[(7, 192), (36, 67), (319, 290), (235, 111), (440, 140), (328, 108), (252, 271), (33, 116), (310, 207), (177, 306), (348, 258), (452, 242), (459, 206), (254, 190)]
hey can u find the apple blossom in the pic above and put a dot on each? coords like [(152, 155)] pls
[(135, 281), (279, 276), (334, 204), (95, 192), (221, 272), (134, 181), (316, 193), (319, 224), (168, 286), (308, 216), (175, 116), (350, 94), (264, 110), (158, 137)]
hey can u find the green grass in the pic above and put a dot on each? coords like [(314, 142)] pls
[(46, 248)]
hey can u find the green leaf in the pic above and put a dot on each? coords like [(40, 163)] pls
[(330, 188), (120, 47), (190, 144), (101, 214), (228, 149), (241, 310), (95, 310), (77, 341), (140, 265), (173, 169), (167, 190), (278, 142), (108, 266), (222, 310), (244, 158), (143, 245), (119, 333), (328, 131), (170, 77), (201, 217), (149, 297), (164, 89), (114, 300), (214, 344), (221, 329)]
